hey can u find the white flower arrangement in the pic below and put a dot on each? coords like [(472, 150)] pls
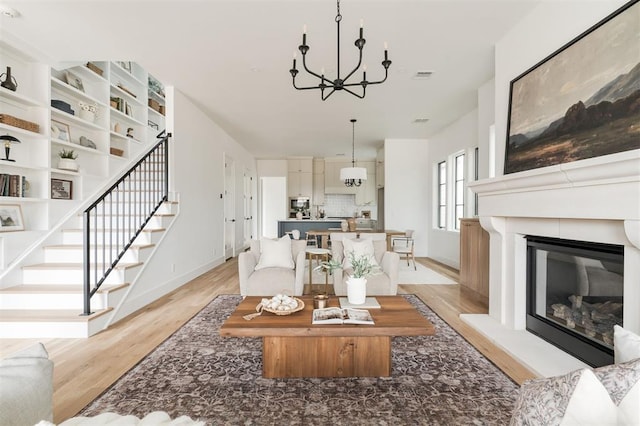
[(89, 107)]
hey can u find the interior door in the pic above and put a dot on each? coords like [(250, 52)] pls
[(229, 208), (248, 207)]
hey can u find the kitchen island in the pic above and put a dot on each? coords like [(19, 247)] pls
[(304, 225)]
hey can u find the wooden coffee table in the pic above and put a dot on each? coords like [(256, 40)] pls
[(293, 347)]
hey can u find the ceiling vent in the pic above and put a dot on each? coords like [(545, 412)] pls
[(422, 75), (421, 120)]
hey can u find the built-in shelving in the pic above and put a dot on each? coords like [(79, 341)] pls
[(36, 157)]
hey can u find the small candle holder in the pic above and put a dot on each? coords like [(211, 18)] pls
[(320, 301)]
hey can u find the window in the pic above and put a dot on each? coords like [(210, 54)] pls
[(442, 195), (459, 190)]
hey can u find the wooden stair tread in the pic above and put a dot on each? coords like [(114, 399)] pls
[(76, 265), (52, 315), (57, 288)]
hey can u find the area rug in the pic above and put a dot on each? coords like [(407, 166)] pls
[(436, 380), (420, 275)]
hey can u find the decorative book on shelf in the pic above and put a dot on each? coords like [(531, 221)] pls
[(341, 316), (13, 185)]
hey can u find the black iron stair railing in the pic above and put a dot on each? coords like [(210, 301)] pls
[(112, 223)]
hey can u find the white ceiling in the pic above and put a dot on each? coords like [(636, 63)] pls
[(232, 58)]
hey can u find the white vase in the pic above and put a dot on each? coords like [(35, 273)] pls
[(356, 290), (87, 115)]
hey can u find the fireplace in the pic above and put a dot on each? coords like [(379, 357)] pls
[(575, 295)]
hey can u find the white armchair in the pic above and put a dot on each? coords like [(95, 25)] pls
[(384, 283), (275, 273)]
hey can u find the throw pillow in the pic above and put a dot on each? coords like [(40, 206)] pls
[(359, 248), (626, 345), (275, 253), (590, 403), (622, 382)]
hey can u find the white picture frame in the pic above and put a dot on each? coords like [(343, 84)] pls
[(11, 218)]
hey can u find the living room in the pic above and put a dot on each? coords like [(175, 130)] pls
[(199, 178)]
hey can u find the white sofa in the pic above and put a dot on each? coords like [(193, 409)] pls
[(26, 387), (26, 396), (269, 281), (381, 284)]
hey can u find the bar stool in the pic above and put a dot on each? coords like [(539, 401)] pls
[(312, 238)]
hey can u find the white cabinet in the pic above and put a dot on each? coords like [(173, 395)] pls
[(318, 182), (332, 182), (300, 177), (366, 193)]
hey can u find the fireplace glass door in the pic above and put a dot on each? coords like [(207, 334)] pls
[(575, 295)]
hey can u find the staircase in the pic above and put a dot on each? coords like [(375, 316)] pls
[(49, 301)]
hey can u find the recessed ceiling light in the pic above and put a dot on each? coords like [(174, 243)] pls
[(420, 120), (8, 12), (422, 75), (255, 69), (340, 155)]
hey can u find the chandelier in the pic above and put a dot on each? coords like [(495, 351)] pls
[(339, 83), (353, 176)]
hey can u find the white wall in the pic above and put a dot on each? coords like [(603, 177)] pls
[(546, 29), (406, 199), (444, 245), (195, 243), (486, 118)]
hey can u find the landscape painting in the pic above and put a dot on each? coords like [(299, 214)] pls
[(581, 102)]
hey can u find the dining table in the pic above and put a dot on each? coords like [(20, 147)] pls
[(323, 234)]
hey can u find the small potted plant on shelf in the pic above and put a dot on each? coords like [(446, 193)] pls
[(67, 160)]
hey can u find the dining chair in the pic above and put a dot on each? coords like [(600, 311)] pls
[(403, 245)]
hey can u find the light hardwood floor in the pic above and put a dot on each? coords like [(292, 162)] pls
[(84, 368)]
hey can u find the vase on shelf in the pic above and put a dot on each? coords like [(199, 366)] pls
[(356, 290), (344, 226), (9, 81), (89, 116)]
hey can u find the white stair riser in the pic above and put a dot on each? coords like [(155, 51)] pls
[(126, 208), (132, 196), (51, 329), (70, 276), (51, 301), (76, 237), (124, 222), (75, 255)]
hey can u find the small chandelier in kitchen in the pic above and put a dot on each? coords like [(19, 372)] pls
[(339, 83), (353, 176)]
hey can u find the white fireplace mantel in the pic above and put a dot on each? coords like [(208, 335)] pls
[(595, 200)]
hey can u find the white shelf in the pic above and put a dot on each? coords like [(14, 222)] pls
[(18, 130), (126, 95), (60, 85), (19, 98), (4, 200), (85, 72), (121, 72), (118, 136), (155, 96), (59, 114), (125, 117), (17, 165), (75, 146)]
